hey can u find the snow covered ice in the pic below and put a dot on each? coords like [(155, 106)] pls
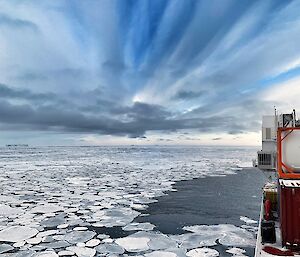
[(55, 200)]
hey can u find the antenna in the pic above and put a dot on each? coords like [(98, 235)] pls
[(275, 118)]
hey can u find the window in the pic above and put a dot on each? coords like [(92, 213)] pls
[(268, 133)]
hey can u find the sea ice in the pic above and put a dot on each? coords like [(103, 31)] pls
[(66, 253), (19, 244), (116, 217), (192, 240), (67, 187), (17, 233), (47, 233), (5, 248), (62, 226), (82, 251), (80, 228), (227, 234), (55, 244), (6, 210), (46, 254), (107, 240), (75, 237), (46, 208), (139, 226), (247, 220), (110, 248), (134, 244), (92, 242), (161, 254), (53, 221), (203, 252), (236, 251), (34, 240)]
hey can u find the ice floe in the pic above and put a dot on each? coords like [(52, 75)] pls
[(92, 242), (247, 220), (134, 244), (161, 254), (82, 251), (5, 248), (112, 248), (75, 237), (45, 254), (66, 253), (6, 210), (46, 208), (227, 234), (17, 233), (203, 252), (139, 226), (236, 251)]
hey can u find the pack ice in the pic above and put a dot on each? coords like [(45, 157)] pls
[(62, 201)]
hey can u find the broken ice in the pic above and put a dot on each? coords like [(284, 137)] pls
[(59, 197)]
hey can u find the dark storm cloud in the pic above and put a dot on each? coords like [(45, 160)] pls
[(132, 121), (8, 92)]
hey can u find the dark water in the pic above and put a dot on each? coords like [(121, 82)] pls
[(211, 200)]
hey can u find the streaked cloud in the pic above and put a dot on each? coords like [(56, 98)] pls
[(146, 69)]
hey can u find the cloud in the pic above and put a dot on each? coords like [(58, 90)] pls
[(15, 23), (132, 68), (187, 95), (8, 92), (132, 120)]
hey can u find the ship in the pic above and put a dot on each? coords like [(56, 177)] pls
[(279, 159)]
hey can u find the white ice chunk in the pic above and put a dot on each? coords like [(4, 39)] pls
[(5, 248), (247, 220), (116, 217), (192, 240), (82, 251), (110, 248), (62, 226), (66, 253), (34, 241), (80, 228), (236, 251), (46, 208), (134, 244), (46, 254), (17, 233), (79, 236), (92, 243), (203, 252), (6, 210), (139, 226), (19, 244), (47, 233), (138, 207), (227, 234), (161, 254)]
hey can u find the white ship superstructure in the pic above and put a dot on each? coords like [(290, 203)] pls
[(279, 226)]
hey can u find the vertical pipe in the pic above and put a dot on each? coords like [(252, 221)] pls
[(279, 168)]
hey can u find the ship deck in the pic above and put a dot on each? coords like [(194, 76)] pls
[(259, 250)]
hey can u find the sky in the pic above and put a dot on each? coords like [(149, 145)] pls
[(113, 72)]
